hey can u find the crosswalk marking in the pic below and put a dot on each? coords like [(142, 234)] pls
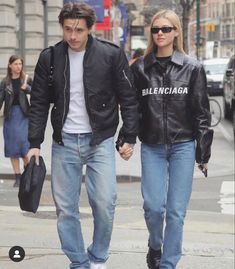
[(227, 197)]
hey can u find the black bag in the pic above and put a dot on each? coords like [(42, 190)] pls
[(31, 183)]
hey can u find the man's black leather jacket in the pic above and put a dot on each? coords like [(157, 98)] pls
[(7, 96), (173, 104), (107, 84)]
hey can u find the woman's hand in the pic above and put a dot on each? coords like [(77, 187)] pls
[(24, 86), (203, 167), (126, 151)]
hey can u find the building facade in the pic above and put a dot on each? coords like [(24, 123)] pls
[(217, 24), (29, 26), (26, 27)]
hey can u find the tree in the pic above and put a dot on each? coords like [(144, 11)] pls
[(187, 5), (152, 6)]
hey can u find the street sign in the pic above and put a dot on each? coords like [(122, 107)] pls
[(210, 27), (137, 30), (98, 6), (106, 24)]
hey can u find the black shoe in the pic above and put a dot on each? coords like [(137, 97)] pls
[(17, 181), (16, 184), (153, 258)]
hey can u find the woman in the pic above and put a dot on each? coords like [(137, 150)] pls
[(13, 90), (174, 115), (137, 53)]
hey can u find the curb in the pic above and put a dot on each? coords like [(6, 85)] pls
[(127, 178), (120, 178)]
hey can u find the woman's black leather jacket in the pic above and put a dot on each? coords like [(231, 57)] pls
[(174, 104), (7, 96)]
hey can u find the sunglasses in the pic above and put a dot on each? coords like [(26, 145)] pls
[(165, 29)]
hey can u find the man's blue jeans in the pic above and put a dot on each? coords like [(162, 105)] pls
[(166, 184), (100, 181)]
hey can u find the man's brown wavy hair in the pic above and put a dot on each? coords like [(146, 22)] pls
[(78, 11)]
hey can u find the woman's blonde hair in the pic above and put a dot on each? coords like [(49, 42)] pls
[(171, 16)]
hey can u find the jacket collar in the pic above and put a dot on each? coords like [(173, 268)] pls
[(89, 41), (177, 58)]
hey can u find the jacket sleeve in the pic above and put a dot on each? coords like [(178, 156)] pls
[(201, 115), (2, 93), (127, 99), (39, 108), (137, 84)]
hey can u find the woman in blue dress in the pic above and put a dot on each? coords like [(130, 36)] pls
[(13, 93)]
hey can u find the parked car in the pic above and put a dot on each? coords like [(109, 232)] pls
[(229, 90), (215, 69)]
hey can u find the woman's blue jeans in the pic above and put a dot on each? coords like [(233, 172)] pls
[(166, 184), (100, 181)]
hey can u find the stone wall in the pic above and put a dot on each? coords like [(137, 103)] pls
[(22, 30), (8, 42)]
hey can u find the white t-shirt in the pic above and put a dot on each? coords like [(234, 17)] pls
[(77, 120)]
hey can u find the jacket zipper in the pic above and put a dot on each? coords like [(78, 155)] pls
[(9, 90), (164, 111), (86, 94), (126, 78)]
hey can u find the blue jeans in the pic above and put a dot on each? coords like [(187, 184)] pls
[(166, 184), (100, 181)]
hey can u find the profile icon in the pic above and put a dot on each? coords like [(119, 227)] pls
[(16, 254)]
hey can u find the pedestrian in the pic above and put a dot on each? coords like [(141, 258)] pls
[(137, 53), (90, 79), (174, 129), (13, 93)]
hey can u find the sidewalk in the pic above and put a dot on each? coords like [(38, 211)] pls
[(208, 239)]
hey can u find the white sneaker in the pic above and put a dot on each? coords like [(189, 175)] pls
[(98, 265)]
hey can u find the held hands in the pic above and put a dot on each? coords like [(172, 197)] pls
[(126, 151), (203, 167), (33, 152)]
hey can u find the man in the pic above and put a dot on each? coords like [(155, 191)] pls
[(91, 78)]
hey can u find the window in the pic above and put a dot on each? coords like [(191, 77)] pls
[(227, 10), (233, 31), (223, 10), (227, 31), (232, 8)]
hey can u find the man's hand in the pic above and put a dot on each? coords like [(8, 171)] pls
[(203, 167), (126, 151), (34, 152)]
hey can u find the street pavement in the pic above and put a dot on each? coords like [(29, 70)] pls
[(209, 224)]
